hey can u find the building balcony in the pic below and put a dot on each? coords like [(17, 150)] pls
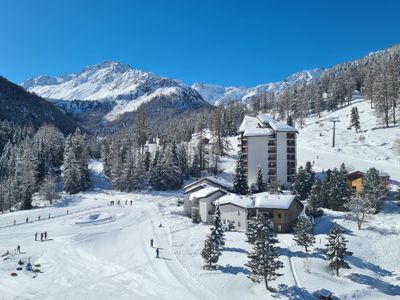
[(272, 157), (271, 143), (291, 142), (291, 135)]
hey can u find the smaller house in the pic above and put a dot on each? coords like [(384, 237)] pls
[(355, 180), (190, 203), (202, 202), (282, 209)]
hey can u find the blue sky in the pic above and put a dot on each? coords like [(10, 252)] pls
[(225, 42)]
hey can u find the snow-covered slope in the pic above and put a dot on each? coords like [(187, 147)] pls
[(215, 94), (372, 147), (117, 84), (113, 259)]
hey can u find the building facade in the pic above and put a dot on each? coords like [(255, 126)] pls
[(271, 145)]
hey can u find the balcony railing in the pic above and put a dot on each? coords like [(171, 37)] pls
[(291, 150), (291, 142), (271, 157)]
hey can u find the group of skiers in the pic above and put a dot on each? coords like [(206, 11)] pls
[(112, 202), (43, 236)]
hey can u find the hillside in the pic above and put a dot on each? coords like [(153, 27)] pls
[(22, 107), (372, 147)]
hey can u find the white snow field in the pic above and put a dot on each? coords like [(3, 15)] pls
[(112, 258)]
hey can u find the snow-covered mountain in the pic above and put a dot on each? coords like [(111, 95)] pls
[(215, 94), (119, 85)]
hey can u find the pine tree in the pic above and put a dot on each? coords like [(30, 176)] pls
[(355, 119), (263, 259), (303, 181), (251, 233), (338, 191), (214, 243), (240, 185), (336, 249), (273, 186), (314, 200), (260, 181), (303, 233), (374, 189), (195, 170)]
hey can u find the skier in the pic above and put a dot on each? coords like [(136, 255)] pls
[(38, 218), (49, 215), (131, 202), (151, 243), (19, 249), (126, 202), (14, 222), (36, 236), (160, 225), (67, 212), (26, 219), (157, 253), (41, 237), (45, 235)]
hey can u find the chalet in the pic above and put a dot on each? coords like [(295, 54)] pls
[(355, 180), (282, 209), (270, 145), (193, 197)]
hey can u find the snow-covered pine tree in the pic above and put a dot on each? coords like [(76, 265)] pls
[(240, 185), (303, 181), (170, 172), (195, 170), (260, 181), (314, 201), (303, 233), (139, 173), (264, 258), (336, 249), (355, 119), (251, 232), (71, 169), (214, 243), (374, 189), (339, 193), (273, 186)]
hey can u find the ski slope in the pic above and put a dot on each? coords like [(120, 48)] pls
[(112, 259), (372, 147)]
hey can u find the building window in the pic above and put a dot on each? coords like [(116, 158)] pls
[(279, 215), (239, 224)]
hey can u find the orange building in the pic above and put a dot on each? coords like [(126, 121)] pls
[(355, 180)]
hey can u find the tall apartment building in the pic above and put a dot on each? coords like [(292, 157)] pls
[(269, 144)]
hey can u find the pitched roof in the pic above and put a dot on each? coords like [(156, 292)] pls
[(260, 200), (215, 180), (205, 192)]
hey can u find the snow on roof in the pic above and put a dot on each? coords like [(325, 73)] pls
[(260, 200), (220, 181), (266, 200), (216, 180), (205, 192), (252, 126), (242, 201), (247, 123), (275, 125)]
